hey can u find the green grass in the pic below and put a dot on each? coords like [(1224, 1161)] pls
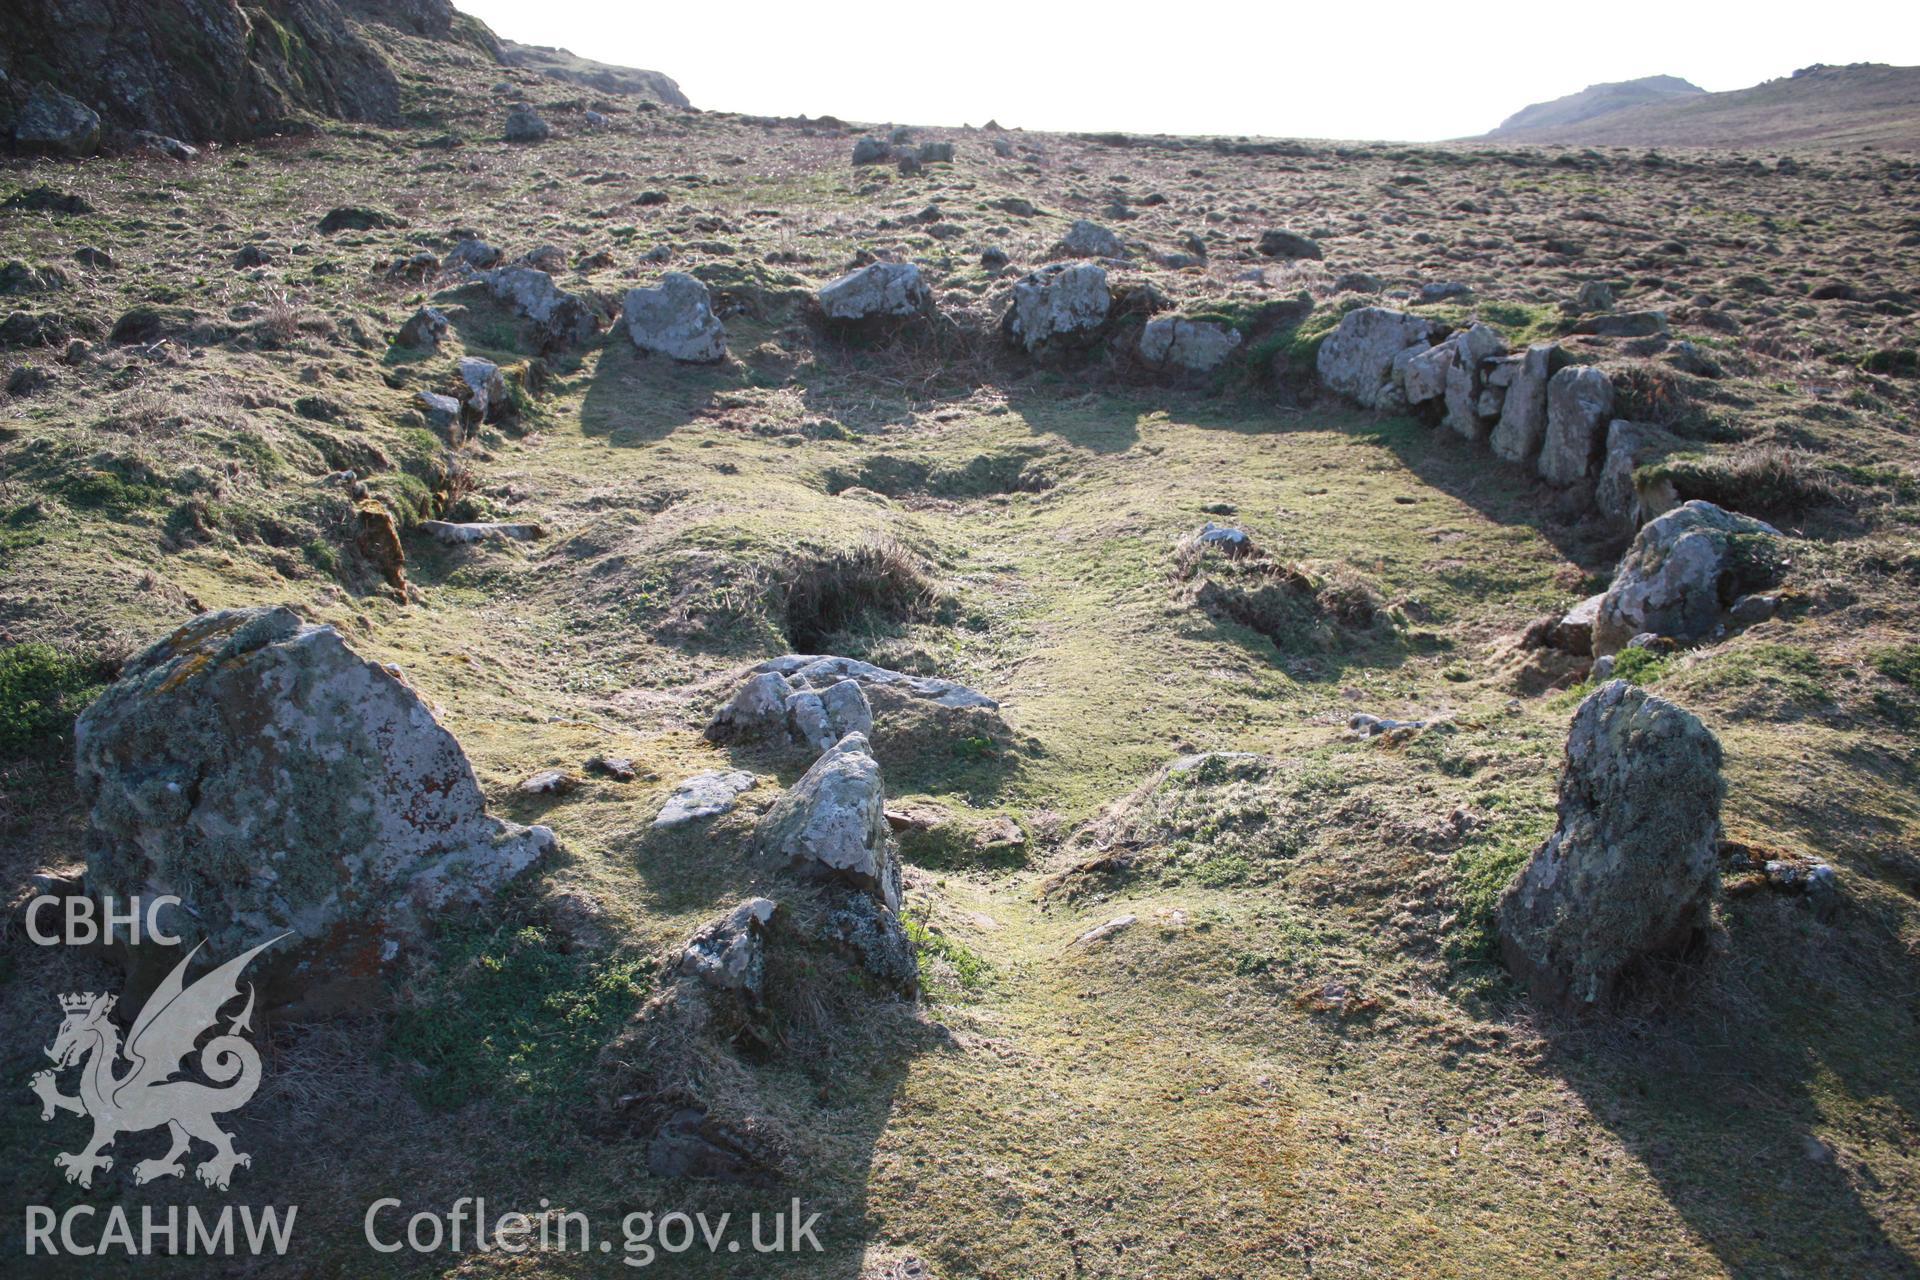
[(505, 1013), (42, 689)]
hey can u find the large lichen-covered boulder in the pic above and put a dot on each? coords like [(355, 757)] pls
[(1357, 358), (255, 766), (878, 292), (1683, 569), (1630, 869), (1061, 305), (675, 318), (832, 824)]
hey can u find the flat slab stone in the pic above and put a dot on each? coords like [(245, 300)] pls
[(704, 795)]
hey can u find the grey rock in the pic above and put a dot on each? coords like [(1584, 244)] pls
[(756, 709), (1683, 568), (1288, 244), (936, 153), (1749, 609), (1630, 869), (871, 151), (1356, 359), (704, 795), (1060, 304), (1579, 406), (424, 330), (564, 320), (1086, 239), (1523, 417), (876, 940), (1190, 346), (1441, 290), (1594, 295), (819, 672), (51, 122), (1423, 374), (442, 414), (160, 144), (881, 291), (484, 395), (255, 766), (1625, 324), (676, 319), (729, 954), (832, 823), (477, 254), (525, 125), (1630, 446), (467, 533)]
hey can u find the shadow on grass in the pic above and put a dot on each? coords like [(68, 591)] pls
[(1792, 1027)]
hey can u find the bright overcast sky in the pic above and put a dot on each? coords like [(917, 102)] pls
[(1332, 69)]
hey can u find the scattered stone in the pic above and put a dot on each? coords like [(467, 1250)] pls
[(1059, 305), (465, 534), (442, 414), (619, 768), (1228, 538), (1579, 405), (676, 319), (936, 153), (833, 824), (881, 291), (704, 795), (525, 125), (1683, 568), (1188, 346), (1288, 244), (1086, 239), (1102, 932), (254, 765), (51, 122), (424, 330), (160, 144), (1367, 726), (564, 319), (550, 782), (1441, 291), (871, 151), (1357, 358), (1630, 869)]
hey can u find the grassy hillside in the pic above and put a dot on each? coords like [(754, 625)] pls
[(1301, 1059)]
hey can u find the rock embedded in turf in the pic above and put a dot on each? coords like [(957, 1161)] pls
[(1682, 570), (1186, 346), (880, 291), (1063, 305), (704, 795), (1630, 870), (832, 823), (1357, 358), (675, 318)]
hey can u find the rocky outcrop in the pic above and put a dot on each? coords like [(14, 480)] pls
[(1682, 571), (675, 318), (1630, 869), (565, 65), (563, 319), (832, 824), (225, 69), (51, 122), (1178, 345), (254, 765), (1061, 306), (1358, 358), (883, 291)]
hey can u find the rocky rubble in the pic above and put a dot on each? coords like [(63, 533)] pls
[(255, 766), (1630, 870)]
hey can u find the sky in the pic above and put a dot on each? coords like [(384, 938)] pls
[(1333, 69)]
